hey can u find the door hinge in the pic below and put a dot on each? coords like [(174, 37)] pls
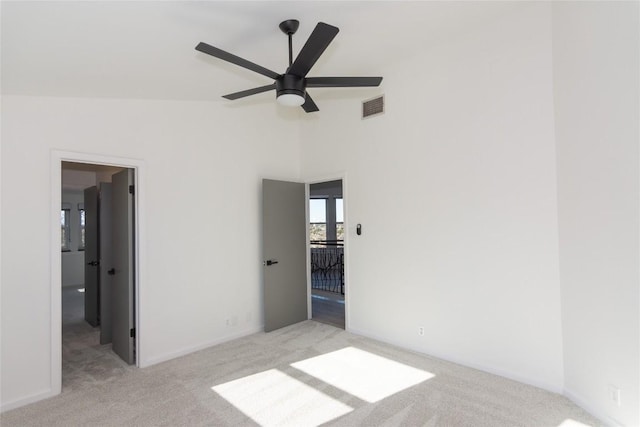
[(131, 189), (132, 332)]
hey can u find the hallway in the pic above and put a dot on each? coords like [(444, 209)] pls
[(84, 361)]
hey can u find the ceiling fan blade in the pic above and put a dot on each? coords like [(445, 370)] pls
[(318, 41), (248, 92), (226, 56), (309, 106), (343, 81)]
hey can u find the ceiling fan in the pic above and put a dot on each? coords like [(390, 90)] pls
[(291, 87)]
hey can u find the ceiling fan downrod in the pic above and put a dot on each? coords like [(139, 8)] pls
[(289, 27)]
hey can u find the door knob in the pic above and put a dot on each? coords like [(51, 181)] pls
[(111, 272), (270, 262)]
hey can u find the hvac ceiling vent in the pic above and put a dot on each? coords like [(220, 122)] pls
[(373, 107)]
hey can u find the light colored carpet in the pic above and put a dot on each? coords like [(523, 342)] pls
[(278, 379), (84, 361)]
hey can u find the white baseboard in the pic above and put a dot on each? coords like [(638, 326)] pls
[(554, 388), (574, 397), (584, 404), (7, 406), (169, 356)]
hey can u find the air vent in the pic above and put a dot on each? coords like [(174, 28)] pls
[(373, 107)]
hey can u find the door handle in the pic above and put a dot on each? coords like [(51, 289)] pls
[(93, 263), (111, 272), (270, 262)]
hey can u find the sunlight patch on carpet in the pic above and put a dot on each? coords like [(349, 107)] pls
[(365, 375), (273, 398)]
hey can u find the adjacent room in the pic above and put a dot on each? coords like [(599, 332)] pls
[(482, 243), (96, 341)]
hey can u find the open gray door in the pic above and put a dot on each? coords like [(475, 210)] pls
[(106, 262), (122, 281), (91, 257), (284, 251)]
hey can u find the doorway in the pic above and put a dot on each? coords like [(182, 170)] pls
[(93, 233), (76, 348), (86, 305), (326, 253)]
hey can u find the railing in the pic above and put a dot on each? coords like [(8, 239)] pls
[(327, 265)]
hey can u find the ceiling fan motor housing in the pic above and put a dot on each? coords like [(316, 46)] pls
[(290, 84)]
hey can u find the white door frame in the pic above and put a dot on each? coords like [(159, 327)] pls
[(57, 157), (343, 177)]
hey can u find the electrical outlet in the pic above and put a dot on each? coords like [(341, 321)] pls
[(421, 331), (227, 322), (613, 393)]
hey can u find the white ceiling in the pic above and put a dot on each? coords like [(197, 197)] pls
[(78, 176), (89, 167), (145, 49)]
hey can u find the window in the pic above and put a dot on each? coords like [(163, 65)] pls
[(65, 229), (82, 224), (339, 220), (318, 219)]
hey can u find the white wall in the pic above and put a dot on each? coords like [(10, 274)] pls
[(72, 268), (595, 57), (486, 242), (455, 187), (202, 170), (78, 180)]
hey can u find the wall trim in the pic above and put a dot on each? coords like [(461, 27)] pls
[(449, 358), (188, 350), (56, 159), (584, 404), (574, 397), (7, 406)]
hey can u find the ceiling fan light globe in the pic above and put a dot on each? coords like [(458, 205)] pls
[(291, 99)]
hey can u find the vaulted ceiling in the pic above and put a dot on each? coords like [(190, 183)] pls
[(145, 49)]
